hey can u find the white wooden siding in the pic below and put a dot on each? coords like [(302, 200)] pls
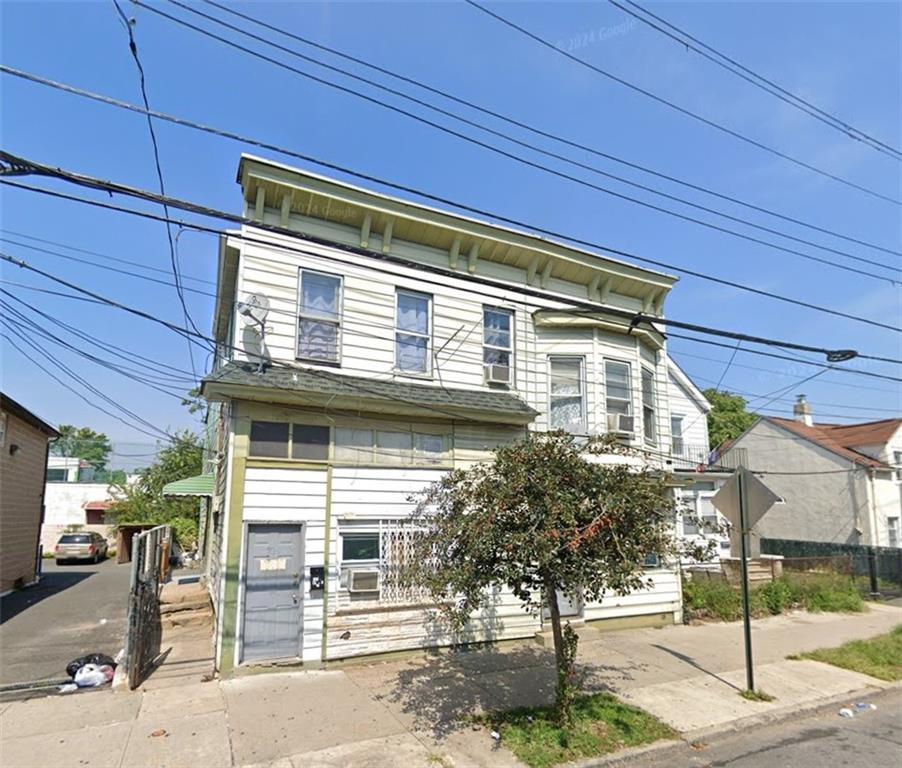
[(695, 421), (368, 318), (662, 597)]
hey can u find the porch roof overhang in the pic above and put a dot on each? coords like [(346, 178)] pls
[(310, 387), (199, 485)]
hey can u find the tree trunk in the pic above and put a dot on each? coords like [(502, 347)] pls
[(564, 655)]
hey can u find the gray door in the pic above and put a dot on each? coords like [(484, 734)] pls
[(273, 591)]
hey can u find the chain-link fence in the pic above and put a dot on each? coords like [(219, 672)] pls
[(875, 570)]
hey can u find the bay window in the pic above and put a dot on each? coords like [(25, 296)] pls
[(618, 395), (568, 395), (649, 424)]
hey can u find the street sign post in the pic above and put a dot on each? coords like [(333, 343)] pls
[(743, 500)]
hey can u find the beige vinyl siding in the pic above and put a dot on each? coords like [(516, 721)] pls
[(21, 490), (295, 496)]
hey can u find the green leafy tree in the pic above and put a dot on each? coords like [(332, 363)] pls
[(728, 417), (83, 443), (143, 501), (543, 521)]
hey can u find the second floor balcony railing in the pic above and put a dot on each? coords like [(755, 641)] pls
[(687, 456)]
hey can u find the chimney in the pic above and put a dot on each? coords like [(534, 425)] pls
[(801, 411)]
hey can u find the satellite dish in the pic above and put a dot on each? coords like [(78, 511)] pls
[(255, 310)]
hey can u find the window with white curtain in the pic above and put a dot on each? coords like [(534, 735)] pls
[(367, 446), (413, 331), (319, 317), (567, 395)]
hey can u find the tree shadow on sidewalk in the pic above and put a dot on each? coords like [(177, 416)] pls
[(442, 695)]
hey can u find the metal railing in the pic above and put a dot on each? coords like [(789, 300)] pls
[(689, 456), (150, 569)]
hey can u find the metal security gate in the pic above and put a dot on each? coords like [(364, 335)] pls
[(150, 566)]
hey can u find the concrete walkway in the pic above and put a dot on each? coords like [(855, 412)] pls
[(415, 712)]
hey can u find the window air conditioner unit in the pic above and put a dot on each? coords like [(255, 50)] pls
[(621, 424), (363, 580), (498, 374)]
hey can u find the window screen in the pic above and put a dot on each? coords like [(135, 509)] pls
[(310, 442), (269, 438)]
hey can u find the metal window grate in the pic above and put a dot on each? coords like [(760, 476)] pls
[(397, 539)]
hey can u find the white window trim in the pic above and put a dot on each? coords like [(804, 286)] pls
[(301, 315), (628, 400), (509, 349), (653, 440), (427, 374), (584, 402)]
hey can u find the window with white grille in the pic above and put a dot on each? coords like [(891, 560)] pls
[(374, 556), (892, 531), (413, 332), (498, 345)]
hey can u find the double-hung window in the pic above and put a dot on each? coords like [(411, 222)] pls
[(617, 384), (568, 395), (497, 349), (319, 317), (676, 435), (413, 331), (648, 406)]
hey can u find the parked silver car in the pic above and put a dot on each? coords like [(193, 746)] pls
[(81, 546)]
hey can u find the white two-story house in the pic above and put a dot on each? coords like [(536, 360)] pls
[(367, 345)]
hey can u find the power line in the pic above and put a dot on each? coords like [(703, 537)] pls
[(435, 198), (175, 373), (833, 382), (106, 257), (105, 266), (682, 110), (759, 81), (133, 48), (94, 183), (522, 160), (532, 129), (785, 357)]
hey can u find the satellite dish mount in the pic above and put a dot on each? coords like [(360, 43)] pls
[(254, 311)]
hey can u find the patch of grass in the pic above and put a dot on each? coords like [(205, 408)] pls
[(879, 657), (816, 592), (758, 695), (601, 724)]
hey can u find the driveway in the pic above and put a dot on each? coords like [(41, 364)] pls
[(74, 610)]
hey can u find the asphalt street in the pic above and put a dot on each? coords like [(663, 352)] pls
[(870, 739), (74, 610)]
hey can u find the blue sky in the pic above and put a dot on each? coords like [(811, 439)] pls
[(843, 57)]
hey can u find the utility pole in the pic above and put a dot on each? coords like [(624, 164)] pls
[(744, 572)]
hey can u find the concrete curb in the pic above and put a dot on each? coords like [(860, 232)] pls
[(687, 738)]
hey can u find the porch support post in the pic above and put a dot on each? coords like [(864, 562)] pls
[(231, 566)]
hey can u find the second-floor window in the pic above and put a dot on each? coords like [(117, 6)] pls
[(617, 385), (498, 350), (319, 317), (568, 395), (648, 406), (413, 331), (676, 435)]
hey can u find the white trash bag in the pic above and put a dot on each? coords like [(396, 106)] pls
[(92, 675)]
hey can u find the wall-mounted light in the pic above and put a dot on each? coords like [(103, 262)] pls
[(13, 449)]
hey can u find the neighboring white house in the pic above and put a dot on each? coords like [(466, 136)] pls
[(699, 479), (64, 469), (840, 482), (358, 361), (69, 504)]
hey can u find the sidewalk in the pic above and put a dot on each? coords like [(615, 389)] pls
[(414, 712)]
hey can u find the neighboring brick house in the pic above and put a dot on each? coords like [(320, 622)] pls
[(24, 445)]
